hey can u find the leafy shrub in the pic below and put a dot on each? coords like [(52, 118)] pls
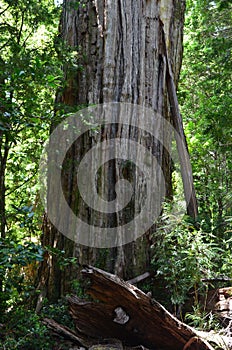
[(58, 312), (202, 320), (24, 331), (14, 258), (185, 255)]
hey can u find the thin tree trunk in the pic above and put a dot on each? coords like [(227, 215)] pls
[(2, 212), (4, 151), (3, 160)]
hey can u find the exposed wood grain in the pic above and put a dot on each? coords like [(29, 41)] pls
[(122, 311), (186, 168)]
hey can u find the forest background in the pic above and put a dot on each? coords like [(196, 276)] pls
[(32, 57)]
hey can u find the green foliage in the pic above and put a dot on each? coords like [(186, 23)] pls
[(202, 320), (24, 331), (30, 73), (185, 255), (61, 259), (205, 92), (14, 259), (58, 312), (79, 287)]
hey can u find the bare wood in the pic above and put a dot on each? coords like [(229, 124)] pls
[(139, 278), (186, 168), (124, 312)]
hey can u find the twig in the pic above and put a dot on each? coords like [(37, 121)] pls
[(216, 279), (24, 183), (1, 13)]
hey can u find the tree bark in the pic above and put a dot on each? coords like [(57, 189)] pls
[(120, 50), (122, 311)]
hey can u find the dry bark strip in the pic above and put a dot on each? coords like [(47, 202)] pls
[(122, 311), (186, 168)]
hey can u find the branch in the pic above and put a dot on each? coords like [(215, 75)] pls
[(4, 45), (139, 278), (1, 13), (65, 332), (21, 27), (16, 188), (217, 279)]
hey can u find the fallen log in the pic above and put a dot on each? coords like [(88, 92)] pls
[(122, 311), (66, 333)]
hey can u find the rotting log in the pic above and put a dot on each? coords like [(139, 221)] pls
[(66, 333), (122, 311)]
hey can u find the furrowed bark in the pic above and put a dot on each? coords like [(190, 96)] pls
[(120, 50)]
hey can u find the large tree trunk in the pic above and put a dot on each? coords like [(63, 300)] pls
[(121, 51)]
